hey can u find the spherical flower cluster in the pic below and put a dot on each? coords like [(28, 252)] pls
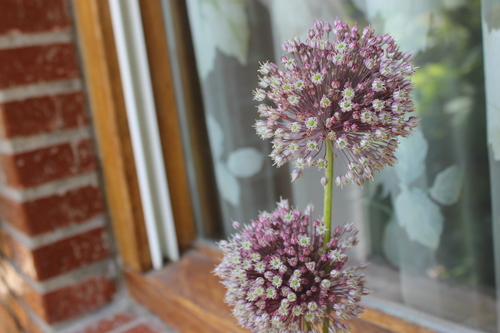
[(281, 278), (352, 92)]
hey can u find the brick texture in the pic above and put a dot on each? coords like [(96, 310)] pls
[(54, 211), (34, 64), (70, 253), (73, 301), (61, 304), (47, 164), (59, 257), (141, 328), (130, 320), (33, 16), (107, 324), (43, 114), (37, 121)]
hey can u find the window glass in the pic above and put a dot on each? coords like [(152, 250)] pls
[(425, 224)]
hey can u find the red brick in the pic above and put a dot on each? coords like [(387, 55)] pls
[(35, 64), (73, 301), (47, 164), (43, 114), (86, 159), (142, 328), (70, 253), (107, 324), (33, 16), (13, 211), (53, 212), (63, 303), (60, 257)]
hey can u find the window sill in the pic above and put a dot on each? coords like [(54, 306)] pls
[(188, 297)]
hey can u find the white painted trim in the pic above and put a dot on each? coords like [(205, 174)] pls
[(60, 187), (105, 267), (34, 242), (141, 114), (18, 145), (20, 39), (40, 90)]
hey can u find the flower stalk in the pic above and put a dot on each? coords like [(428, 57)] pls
[(327, 208), (286, 272)]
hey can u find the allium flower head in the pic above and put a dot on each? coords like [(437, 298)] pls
[(352, 92), (281, 278)]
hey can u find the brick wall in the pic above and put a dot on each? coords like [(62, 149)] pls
[(54, 256)]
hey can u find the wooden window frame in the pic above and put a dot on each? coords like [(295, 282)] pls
[(184, 294)]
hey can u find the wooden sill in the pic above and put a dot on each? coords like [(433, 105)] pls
[(188, 297)]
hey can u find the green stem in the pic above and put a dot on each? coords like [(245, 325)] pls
[(327, 210), (327, 216), (325, 326)]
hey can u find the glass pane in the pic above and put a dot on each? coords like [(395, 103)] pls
[(426, 224), (491, 38), (431, 214), (228, 48)]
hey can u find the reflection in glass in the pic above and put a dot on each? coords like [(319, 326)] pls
[(426, 223)]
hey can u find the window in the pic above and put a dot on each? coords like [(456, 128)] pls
[(426, 224), (429, 226)]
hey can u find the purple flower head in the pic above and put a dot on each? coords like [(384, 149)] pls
[(281, 278), (352, 92)]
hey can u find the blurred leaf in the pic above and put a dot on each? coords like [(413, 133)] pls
[(419, 216), (218, 25), (411, 156), (245, 162), (293, 18), (447, 186), (407, 21)]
